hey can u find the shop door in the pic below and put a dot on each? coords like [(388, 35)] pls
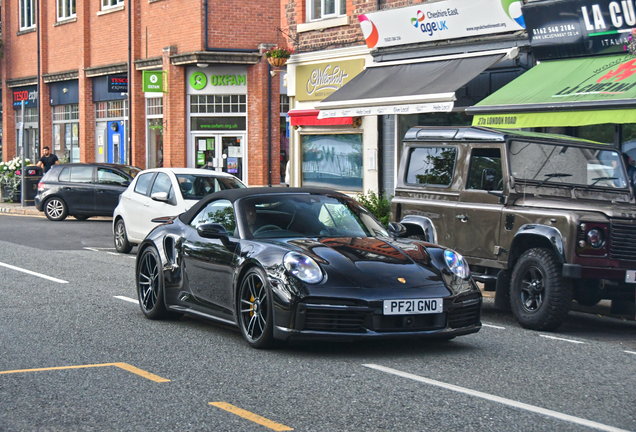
[(221, 153), (116, 147)]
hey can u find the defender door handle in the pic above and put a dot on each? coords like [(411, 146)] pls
[(462, 217)]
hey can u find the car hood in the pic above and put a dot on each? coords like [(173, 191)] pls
[(371, 262), (609, 209)]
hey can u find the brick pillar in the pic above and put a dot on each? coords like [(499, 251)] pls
[(174, 113), (257, 141), (86, 105), (8, 115), (44, 104), (137, 106)]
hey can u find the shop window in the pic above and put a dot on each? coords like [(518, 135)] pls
[(284, 138), (204, 104), (30, 115), (154, 119), (323, 9), (65, 9), (431, 166), (66, 132), (107, 4), (284, 104), (27, 14), (111, 109), (333, 161)]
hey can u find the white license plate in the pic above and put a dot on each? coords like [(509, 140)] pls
[(413, 306), (630, 276)]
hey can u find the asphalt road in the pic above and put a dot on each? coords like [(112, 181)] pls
[(130, 373)]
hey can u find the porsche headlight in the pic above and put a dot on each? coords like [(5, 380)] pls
[(303, 267), (456, 264)]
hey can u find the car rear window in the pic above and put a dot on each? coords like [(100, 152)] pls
[(432, 166), (143, 181)]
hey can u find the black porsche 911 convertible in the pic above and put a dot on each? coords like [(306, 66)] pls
[(303, 263)]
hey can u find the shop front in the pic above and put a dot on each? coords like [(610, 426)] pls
[(28, 94), (217, 118), (430, 62), (110, 94), (65, 121), (584, 83)]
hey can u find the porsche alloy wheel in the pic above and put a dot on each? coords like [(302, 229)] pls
[(150, 285), (255, 309)]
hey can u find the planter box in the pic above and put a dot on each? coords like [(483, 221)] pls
[(9, 195)]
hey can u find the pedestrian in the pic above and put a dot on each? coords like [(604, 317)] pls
[(48, 160)]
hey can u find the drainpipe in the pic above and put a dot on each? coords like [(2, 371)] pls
[(269, 125), (37, 89), (130, 99)]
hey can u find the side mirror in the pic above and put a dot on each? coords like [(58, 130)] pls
[(159, 196), (488, 176), (396, 229), (212, 231)]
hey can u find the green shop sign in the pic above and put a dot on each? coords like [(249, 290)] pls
[(217, 123), (153, 81), (198, 80)]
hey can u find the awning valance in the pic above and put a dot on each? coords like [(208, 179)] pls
[(408, 87), (309, 117), (573, 92)]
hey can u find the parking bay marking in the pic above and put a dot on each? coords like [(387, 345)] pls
[(251, 416), (128, 299), (493, 326), (630, 352), (562, 339), (124, 366), (498, 399), (32, 273)]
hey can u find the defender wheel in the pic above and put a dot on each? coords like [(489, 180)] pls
[(55, 209), (150, 286), (121, 239), (539, 297), (255, 309)]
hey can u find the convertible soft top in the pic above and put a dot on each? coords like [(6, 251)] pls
[(235, 194)]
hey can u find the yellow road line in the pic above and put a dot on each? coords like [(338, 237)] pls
[(251, 416), (124, 366)]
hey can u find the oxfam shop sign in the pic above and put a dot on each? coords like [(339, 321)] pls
[(219, 80)]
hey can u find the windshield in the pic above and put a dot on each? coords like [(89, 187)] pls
[(196, 186), (559, 164), (304, 215)]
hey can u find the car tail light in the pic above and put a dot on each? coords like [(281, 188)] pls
[(41, 187)]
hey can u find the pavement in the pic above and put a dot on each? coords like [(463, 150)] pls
[(16, 208)]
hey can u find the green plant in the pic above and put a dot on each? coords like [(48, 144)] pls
[(279, 52), (10, 180), (377, 204)]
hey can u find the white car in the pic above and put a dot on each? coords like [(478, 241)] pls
[(162, 192)]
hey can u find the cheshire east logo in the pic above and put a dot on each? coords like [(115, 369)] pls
[(415, 22), (513, 10)]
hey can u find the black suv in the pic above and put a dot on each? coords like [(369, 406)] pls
[(82, 190)]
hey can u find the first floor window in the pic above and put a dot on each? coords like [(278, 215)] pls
[(27, 14), (333, 161), (320, 9), (111, 3), (65, 9)]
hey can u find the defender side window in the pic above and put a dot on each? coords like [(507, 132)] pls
[(431, 166), (485, 170)]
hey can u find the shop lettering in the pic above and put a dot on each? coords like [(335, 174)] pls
[(442, 13), (621, 13), (228, 80), (497, 121), (25, 95), (432, 27), (119, 80), (323, 79)]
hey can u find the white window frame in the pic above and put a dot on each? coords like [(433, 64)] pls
[(338, 4), (65, 9), (109, 4), (27, 22)]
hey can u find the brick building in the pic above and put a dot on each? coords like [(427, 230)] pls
[(364, 72), (72, 71)]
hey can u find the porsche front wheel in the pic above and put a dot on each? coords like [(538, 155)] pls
[(255, 309), (150, 285)]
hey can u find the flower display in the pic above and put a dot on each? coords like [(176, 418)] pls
[(11, 169), (279, 52), (631, 44)]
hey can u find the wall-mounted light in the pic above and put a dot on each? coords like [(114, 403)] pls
[(202, 65), (114, 126), (64, 90)]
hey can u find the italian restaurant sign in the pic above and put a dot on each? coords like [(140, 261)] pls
[(577, 28), (315, 82), (444, 20)]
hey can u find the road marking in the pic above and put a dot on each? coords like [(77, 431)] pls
[(630, 352), (493, 326), (40, 275), (113, 253), (561, 339), (501, 400), (124, 366), (92, 249), (251, 416), (128, 299), (97, 249)]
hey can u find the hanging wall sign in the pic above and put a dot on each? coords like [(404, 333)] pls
[(314, 82), (153, 81), (117, 84), (217, 81), (28, 94)]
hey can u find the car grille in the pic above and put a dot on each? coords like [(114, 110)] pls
[(623, 241), (334, 320), (464, 316)]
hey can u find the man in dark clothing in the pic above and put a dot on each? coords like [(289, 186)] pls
[(48, 160)]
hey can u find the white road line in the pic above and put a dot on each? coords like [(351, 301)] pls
[(40, 275), (92, 249), (128, 299), (504, 401), (113, 253), (561, 339), (493, 326), (630, 352)]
